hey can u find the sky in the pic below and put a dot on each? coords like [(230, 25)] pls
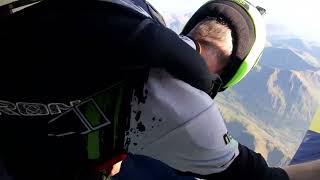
[(299, 17)]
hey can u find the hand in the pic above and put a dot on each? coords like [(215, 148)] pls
[(115, 169)]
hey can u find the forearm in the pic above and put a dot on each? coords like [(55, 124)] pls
[(159, 47), (252, 166), (304, 171), (249, 166)]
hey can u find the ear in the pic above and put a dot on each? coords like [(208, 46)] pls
[(211, 56)]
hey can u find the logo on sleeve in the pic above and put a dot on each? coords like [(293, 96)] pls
[(227, 138)]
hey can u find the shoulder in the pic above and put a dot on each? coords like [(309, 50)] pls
[(160, 81)]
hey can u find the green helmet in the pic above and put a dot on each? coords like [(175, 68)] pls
[(248, 32)]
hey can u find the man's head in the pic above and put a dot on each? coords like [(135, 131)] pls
[(215, 40), (248, 37)]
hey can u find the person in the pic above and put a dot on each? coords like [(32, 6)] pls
[(181, 126), (70, 68), (94, 110)]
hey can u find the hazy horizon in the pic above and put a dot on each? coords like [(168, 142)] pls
[(299, 21), (297, 17)]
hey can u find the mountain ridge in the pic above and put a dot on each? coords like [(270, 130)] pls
[(270, 109)]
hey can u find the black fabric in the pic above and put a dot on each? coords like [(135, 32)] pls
[(248, 165), (3, 172), (161, 46), (138, 167), (56, 54), (155, 14), (61, 52), (4, 11), (240, 24)]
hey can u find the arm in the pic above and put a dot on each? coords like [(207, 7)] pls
[(160, 47), (304, 171), (247, 165), (252, 166)]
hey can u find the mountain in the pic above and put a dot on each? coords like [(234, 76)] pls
[(270, 109), (283, 58), (279, 96), (307, 50), (3, 2), (280, 37), (278, 31)]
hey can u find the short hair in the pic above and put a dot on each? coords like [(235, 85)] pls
[(213, 34)]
